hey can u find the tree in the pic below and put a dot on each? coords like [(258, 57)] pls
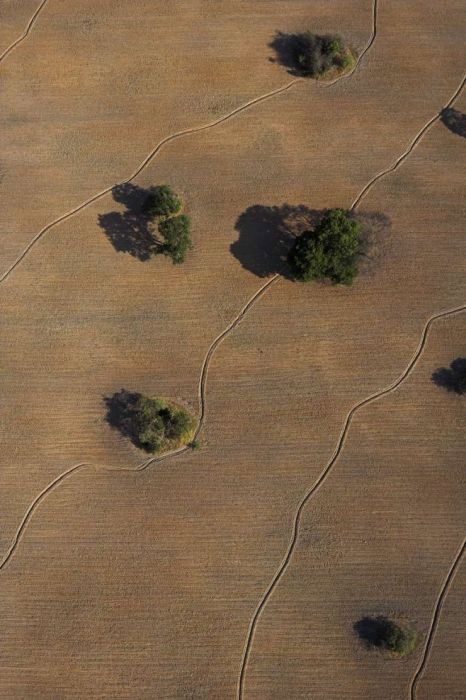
[(153, 424), (329, 251), (315, 54), (161, 202), (176, 233), (384, 633)]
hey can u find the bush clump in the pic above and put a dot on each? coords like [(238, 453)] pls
[(386, 634), (176, 233), (162, 202), (329, 251), (154, 424), (315, 55)]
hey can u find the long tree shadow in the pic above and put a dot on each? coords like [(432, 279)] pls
[(453, 379), (454, 120), (131, 231), (121, 412), (266, 235), (288, 48)]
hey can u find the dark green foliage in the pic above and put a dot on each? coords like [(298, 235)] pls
[(162, 202), (151, 423), (329, 251), (195, 445), (315, 55), (386, 634), (176, 233), (454, 378)]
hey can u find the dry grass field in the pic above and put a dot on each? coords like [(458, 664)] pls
[(126, 583)]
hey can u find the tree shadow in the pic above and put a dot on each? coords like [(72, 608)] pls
[(454, 120), (266, 235), (372, 631), (453, 379), (121, 413), (131, 231), (288, 48)]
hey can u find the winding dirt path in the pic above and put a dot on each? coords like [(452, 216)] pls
[(202, 387), (435, 620), (29, 26), (33, 507), (318, 483), (172, 137), (167, 139)]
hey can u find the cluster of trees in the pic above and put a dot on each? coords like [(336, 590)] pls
[(153, 424), (329, 251), (175, 228), (315, 55)]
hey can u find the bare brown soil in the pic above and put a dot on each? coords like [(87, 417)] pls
[(143, 585)]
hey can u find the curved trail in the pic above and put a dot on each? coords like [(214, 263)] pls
[(410, 148), (202, 412), (373, 397), (29, 26), (435, 620), (217, 341), (34, 505), (321, 479), (177, 135), (167, 139)]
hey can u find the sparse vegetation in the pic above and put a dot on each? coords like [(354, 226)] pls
[(176, 233), (386, 634), (154, 424), (329, 251), (316, 55), (161, 202)]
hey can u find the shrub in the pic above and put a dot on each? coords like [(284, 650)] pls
[(384, 633), (315, 55), (162, 202), (176, 233), (153, 424), (329, 251)]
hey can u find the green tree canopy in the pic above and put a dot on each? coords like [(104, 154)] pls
[(176, 233), (162, 202), (329, 251)]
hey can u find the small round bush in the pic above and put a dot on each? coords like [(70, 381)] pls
[(386, 634), (176, 233), (329, 251), (315, 55), (162, 202), (154, 424)]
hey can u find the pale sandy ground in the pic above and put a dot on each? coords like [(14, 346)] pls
[(143, 585)]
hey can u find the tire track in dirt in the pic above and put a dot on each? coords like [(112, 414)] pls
[(177, 135), (218, 340), (411, 147), (321, 479), (202, 412), (435, 620), (373, 397), (33, 507), (167, 139), (23, 36)]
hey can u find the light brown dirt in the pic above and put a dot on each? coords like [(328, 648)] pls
[(143, 585)]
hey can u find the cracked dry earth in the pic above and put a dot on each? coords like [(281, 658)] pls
[(146, 585)]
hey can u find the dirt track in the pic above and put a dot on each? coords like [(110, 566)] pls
[(82, 320)]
